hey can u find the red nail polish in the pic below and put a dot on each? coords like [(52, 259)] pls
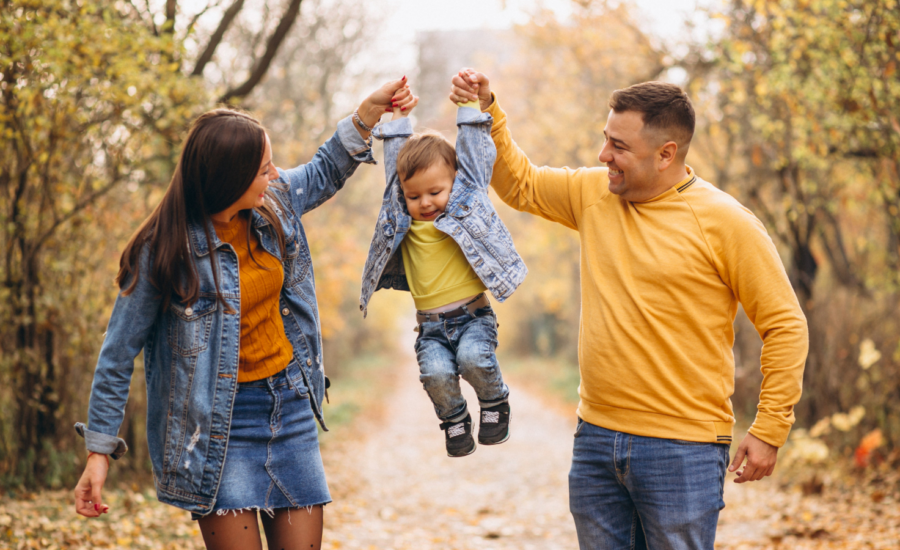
[(404, 77), (403, 108), (96, 507)]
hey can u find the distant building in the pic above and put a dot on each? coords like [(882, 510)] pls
[(442, 54)]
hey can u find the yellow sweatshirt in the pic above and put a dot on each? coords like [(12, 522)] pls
[(660, 284)]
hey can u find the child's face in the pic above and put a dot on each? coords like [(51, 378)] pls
[(427, 191)]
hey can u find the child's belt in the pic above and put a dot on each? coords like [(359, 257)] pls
[(470, 307)]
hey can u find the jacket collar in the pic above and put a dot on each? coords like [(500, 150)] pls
[(197, 239)]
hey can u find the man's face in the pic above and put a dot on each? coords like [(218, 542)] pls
[(428, 191), (630, 153)]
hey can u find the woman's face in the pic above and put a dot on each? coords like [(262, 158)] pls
[(255, 196)]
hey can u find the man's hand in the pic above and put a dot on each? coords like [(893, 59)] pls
[(760, 457), (470, 85), (88, 501)]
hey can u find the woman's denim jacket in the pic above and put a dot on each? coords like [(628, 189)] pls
[(469, 218), (191, 352)]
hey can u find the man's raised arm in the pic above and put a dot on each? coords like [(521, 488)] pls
[(557, 194)]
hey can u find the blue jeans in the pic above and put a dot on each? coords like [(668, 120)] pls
[(462, 346), (629, 492)]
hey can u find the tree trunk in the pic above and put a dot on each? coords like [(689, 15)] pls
[(34, 380)]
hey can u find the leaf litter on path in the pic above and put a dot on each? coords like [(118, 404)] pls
[(394, 488)]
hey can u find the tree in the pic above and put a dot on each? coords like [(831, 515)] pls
[(85, 97), (797, 103), (207, 30)]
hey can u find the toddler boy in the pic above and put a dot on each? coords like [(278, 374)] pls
[(452, 248)]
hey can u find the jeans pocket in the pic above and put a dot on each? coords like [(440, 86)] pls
[(296, 380), (578, 427)]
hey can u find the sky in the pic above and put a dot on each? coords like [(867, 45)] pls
[(403, 18)]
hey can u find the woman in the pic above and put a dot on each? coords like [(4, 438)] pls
[(217, 290)]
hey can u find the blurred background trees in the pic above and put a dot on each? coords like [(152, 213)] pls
[(797, 104)]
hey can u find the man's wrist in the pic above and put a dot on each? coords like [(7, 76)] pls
[(486, 103)]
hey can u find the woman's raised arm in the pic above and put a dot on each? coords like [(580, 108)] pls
[(317, 181)]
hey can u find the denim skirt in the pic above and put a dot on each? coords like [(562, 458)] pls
[(272, 459)]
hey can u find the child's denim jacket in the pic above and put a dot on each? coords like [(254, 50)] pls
[(469, 218)]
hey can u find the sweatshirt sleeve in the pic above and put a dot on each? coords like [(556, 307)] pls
[(749, 264), (556, 194)]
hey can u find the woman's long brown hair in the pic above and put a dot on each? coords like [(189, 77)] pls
[(220, 159)]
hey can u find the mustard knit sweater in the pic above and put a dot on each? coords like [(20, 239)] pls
[(265, 349), (661, 281)]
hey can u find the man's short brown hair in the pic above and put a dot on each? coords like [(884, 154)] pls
[(422, 150), (663, 106)]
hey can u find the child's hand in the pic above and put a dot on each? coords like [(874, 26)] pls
[(403, 108)]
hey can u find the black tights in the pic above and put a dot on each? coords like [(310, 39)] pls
[(290, 529)]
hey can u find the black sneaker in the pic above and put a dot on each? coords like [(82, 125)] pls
[(494, 426), (459, 437)]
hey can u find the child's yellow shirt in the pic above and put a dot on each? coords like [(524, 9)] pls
[(436, 268)]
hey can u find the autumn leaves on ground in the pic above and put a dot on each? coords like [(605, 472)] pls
[(394, 488)]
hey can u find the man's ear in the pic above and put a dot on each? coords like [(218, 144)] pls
[(666, 154)]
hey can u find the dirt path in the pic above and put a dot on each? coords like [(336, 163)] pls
[(394, 488), (398, 489)]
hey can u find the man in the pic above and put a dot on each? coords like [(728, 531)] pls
[(665, 260)]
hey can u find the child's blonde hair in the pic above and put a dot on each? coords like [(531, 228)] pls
[(423, 150)]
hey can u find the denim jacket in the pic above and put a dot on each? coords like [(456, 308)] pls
[(469, 218), (191, 352)]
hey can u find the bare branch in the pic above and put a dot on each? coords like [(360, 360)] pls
[(259, 70), (171, 8), (216, 38), (81, 205), (198, 15), (140, 16), (150, 16)]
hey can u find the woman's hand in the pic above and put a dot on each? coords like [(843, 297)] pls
[(393, 94), (88, 502)]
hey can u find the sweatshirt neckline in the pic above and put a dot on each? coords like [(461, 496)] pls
[(675, 190)]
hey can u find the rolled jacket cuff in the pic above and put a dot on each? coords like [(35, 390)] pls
[(97, 442), (471, 115), (402, 127), (357, 147)]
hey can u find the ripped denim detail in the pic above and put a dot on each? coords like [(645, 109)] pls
[(269, 511)]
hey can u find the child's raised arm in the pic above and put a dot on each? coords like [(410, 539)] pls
[(475, 150)]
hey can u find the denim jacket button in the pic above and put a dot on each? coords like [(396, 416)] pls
[(308, 361), (188, 311), (285, 311)]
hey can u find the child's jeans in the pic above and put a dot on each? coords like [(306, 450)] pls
[(462, 346)]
